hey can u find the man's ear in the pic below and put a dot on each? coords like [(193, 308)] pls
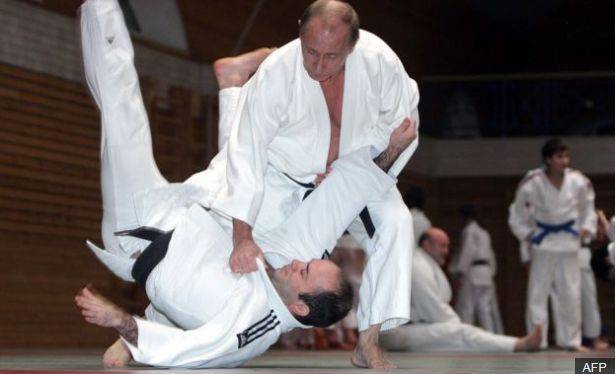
[(299, 308)]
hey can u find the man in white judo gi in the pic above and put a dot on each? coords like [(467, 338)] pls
[(435, 326), (158, 234), (333, 90), (552, 214), (476, 266)]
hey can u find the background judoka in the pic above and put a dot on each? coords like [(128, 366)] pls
[(476, 301), (333, 90), (553, 211), (435, 326), (219, 306)]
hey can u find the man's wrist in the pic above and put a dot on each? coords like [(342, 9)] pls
[(127, 327), (241, 232)]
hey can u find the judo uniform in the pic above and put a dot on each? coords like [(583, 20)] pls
[(421, 223), (476, 264), (591, 317), (201, 314), (435, 326), (553, 218), (279, 142)]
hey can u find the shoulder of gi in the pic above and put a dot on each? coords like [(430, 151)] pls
[(532, 176)]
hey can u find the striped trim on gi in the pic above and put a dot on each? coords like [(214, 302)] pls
[(257, 330)]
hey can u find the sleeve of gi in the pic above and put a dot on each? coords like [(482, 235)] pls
[(322, 218), (399, 99), (161, 345), (253, 129), (519, 212), (588, 216)]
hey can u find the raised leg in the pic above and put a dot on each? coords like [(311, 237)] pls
[(127, 162)]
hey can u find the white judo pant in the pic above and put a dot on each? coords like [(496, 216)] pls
[(591, 318), (555, 275), (127, 161), (475, 302), (445, 337)]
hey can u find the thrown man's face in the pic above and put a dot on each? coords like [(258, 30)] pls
[(325, 47), (301, 277)]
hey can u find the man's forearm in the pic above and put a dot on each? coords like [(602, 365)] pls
[(128, 329), (387, 158)]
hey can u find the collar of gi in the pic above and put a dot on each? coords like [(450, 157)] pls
[(287, 320)]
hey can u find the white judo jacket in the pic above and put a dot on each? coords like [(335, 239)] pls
[(431, 291), (218, 318), (538, 202), (284, 125)]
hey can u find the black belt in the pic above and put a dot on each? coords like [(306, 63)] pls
[(480, 262), (152, 255), (364, 215)]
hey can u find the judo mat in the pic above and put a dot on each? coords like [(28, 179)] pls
[(281, 361)]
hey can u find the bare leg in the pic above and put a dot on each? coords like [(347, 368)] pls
[(367, 353), (117, 355), (530, 342), (235, 71)]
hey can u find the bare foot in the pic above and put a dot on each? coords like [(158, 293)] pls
[(367, 353), (235, 71), (530, 342), (117, 355), (599, 344), (579, 349)]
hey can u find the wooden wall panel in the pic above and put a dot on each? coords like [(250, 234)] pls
[(50, 198)]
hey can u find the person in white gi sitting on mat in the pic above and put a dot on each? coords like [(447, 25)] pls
[(435, 326), (201, 313)]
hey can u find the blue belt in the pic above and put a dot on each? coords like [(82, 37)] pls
[(547, 229)]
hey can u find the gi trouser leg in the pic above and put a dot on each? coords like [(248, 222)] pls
[(566, 301), (445, 337), (591, 318), (385, 292), (482, 295), (465, 302), (127, 161), (540, 280)]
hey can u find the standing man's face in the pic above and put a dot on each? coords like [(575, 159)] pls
[(558, 162), (325, 47)]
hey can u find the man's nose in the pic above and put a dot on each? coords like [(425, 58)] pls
[(296, 265), (319, 65)]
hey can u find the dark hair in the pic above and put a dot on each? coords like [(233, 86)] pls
[(468, 211), (348, 16), (414, 197), (425, 236), (327, 308), (552, 147)]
